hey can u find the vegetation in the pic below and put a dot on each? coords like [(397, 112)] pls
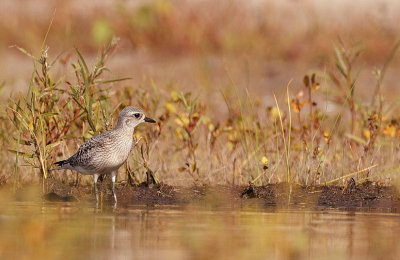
[(320, 132), (298, 142)]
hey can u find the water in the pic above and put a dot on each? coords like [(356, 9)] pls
[(38, 230)]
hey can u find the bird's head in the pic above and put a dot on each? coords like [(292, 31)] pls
[(132, 116)]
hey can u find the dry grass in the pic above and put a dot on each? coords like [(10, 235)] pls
[(323, 127)]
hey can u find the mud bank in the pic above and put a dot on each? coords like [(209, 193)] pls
[(364, 195)]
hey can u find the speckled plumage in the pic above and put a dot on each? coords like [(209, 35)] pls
[(106, 152), (102, 153)]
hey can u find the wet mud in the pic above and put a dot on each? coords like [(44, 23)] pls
[(364, 195)]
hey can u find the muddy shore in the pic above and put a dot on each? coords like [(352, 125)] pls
[(364, 195)]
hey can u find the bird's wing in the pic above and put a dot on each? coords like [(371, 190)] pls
[(95, 145)]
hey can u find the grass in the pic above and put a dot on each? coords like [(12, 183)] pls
[(189, 143), (295, 138)]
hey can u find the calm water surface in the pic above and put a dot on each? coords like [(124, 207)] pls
[(38, 230)]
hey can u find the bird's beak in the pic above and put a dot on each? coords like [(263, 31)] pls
[(149, 120)]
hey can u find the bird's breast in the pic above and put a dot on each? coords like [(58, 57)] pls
[(117, 153)]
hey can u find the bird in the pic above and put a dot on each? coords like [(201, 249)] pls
[(105, 153)]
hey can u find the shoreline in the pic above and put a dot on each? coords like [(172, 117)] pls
[(363, 195)]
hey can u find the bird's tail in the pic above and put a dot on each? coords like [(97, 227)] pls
[(61, 164)]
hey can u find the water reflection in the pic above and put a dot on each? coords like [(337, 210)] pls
[(69, 230)]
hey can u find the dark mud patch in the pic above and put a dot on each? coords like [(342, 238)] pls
[(53, 197), (365, 195)]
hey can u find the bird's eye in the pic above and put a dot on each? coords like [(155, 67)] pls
[(137, 115)]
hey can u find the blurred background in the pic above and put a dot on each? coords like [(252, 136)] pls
[(260, 44)]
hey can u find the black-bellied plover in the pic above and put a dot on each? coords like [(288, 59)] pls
[(106, 152)]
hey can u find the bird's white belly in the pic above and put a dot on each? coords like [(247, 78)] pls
[(82, 170)]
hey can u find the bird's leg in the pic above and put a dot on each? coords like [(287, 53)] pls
[(95, 177), (113, 179)]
